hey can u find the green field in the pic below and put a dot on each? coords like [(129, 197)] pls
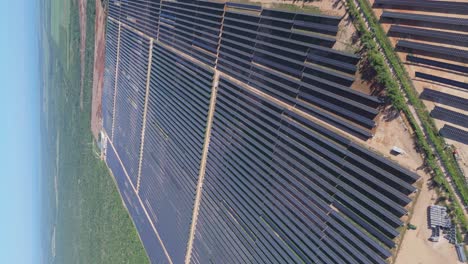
[(91, 223)]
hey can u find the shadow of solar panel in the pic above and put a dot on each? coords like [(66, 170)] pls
[(428, 6), (244, 6), (449, 23), (454, 133), (429, 35), (433, 50), (450, 116)]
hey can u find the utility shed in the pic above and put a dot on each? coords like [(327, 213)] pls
[(438, 217)]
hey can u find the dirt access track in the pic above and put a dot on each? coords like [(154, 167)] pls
[(98, 72), (82, 12)]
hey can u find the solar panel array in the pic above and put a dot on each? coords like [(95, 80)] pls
[(424, 5), (278, 187), (430, 35)]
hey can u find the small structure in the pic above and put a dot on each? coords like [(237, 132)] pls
[(435, 234), (397, 151), (438, 217)]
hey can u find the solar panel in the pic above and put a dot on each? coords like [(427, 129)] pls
[(438, 64), (278, 187), (454, 133), (433, 50), (451, 82), (450, 116), (423, 5), (444, 98)]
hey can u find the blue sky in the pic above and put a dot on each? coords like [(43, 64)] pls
[(19, 133)]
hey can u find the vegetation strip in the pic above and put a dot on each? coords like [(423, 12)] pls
[(385, 78)]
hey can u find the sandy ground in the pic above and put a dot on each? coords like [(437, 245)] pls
[(416, 248), (98, 75), (82, 11), (393, 130)]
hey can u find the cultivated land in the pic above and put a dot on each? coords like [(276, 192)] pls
[(84, 220)]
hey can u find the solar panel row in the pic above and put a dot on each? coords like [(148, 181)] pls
[(450, 116), (279, 188), (454, 133), (269, 55), (430, 35), (260, 176), (451, 82), (432, 50), (443, 98), (439, 64)]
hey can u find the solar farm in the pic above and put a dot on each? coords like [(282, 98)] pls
[(234, 135)]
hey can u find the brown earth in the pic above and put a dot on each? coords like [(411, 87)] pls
[(99, 64), (82, 12)]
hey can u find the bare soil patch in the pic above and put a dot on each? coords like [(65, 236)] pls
[(99, 65), (82, 12)]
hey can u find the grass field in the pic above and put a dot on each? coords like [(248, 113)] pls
[(91, 223)]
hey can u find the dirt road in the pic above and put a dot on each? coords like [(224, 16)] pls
[(82, 11), (99, 65)]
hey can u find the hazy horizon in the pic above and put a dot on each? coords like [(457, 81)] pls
[(20, 141)]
